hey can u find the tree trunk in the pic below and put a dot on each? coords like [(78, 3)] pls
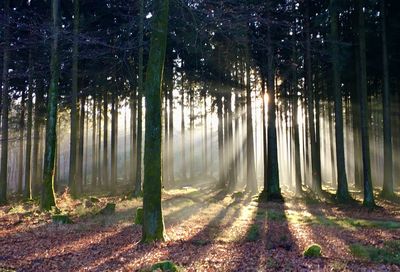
[(315, 159), (73, 158), (99, 162), (342, 192), (138, 183), (221, 179), (114, 120), (105, 142), (4, 108), (27, 183), (272, 189), (251, 185), (94, 153), (368, 189), (183, 143), (153, 225), (171, 130), (80, 158), (48, 197), (387, 128), (138, 178), (21, 143)]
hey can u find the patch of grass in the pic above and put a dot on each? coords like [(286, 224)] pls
[(388, 254), (361, 223), (164, 266), (313, 251), (253, 234), (276, 215), (61, 219)]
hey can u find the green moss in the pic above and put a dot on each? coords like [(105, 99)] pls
[(166, 266), (253, 234), (61, 219), (139, 216), (388, 254), (313, 251)]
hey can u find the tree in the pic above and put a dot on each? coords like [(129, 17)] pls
[(153, 225), (48, 197), (4, 107), (387, 128), (342, 192), (73, 158), (272, 190), (138, 178), (251, 185), (27, 183), (368, 189)]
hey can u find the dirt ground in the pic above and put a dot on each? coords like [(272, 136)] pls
[(205, 231)]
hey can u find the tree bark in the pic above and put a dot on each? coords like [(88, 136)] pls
[(4, 107), (153, 224), (342, 193), (387, 128), (315, 159), (73, 158), (48, 197), (364, 116), (27, 181)]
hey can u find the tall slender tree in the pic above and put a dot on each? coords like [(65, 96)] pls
[(387, 128), (27, 178), (73, 158), (138, 178), (368, 189), (153, 224), (342, 192), (5, 106), (48, 197)]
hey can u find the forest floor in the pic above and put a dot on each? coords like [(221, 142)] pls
[(205, 231)]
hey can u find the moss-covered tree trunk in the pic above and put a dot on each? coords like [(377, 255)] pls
[(48, 197), (368, 189), (342, 192), (153, 224), (387, 128)]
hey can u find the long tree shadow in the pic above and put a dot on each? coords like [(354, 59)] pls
[(90, 254), (268, 239), (203, 241)]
